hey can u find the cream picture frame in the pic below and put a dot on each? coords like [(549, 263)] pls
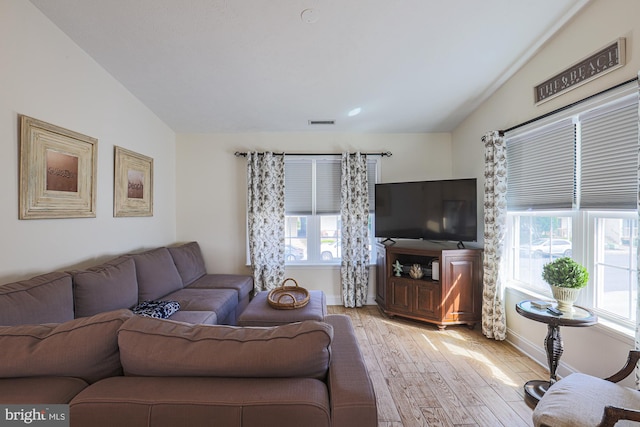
[(58, 170), (133, 184)]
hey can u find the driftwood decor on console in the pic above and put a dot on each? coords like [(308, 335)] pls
[(133, 184), (57, 171), (603, 61)]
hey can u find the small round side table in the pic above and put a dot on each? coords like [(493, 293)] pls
[(535, 389)]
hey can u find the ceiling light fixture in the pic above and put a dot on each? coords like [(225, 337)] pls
[(354, 112)]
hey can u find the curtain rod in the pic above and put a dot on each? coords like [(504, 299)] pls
[(383, 154), (558, 110)]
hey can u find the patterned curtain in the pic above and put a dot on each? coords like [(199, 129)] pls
[(495, 224), (637, 347), (265, 200), (354, 210)]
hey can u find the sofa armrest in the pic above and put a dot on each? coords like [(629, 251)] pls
[(353, 400)]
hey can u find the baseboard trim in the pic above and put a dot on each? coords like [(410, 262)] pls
[(333, 300)]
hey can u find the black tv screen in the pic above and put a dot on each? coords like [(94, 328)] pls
[(429, 210)]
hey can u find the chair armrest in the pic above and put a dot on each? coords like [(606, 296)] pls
[(627, 369), (613, 414)]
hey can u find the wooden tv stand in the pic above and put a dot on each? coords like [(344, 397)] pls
[(454, 299)]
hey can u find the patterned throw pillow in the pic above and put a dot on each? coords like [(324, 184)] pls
[(157, 309)]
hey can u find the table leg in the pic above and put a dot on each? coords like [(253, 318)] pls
[(535, 389), (554, 345)]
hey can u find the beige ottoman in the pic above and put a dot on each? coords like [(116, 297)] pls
[(260, 313)]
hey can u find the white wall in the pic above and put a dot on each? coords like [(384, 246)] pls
[(594, 350), (46, 76), (211, 181)]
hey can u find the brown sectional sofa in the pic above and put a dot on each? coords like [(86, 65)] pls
[(72, 339), (167, 273)]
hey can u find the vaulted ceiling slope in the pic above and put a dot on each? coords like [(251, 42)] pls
[(206, 66)]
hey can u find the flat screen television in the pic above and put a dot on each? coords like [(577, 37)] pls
[(430, 210)]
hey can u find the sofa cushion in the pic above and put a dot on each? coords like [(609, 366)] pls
[(47, 298), (110, 286), (204, 317), (189, 261), (221, 301), (157, 274), (157, 309), (86, 348), (155, 347), (40, 390), (215, 402), (241, 283)]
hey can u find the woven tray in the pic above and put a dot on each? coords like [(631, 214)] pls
[(288, 297)]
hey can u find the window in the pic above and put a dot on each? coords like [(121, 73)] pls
[(615, 267), (572, 191), (536, 240), (312, 208)]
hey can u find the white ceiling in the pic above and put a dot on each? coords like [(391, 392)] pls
[(207, 66)]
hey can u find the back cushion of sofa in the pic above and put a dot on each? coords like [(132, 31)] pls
[(86, 348), (106, 287), (189, 262), (155, 347), (157, 274), (47, 298)]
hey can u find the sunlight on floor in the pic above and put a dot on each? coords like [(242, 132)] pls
[(457, 350), (426, 338), (496, 372)]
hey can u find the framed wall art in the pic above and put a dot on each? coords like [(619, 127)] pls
[(133, 184), (57, 171)]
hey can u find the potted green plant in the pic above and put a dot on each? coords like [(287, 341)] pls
[(566, 278)]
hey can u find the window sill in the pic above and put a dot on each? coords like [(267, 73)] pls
[(621, 332), (615, 330), (312, 265), (318, 265)]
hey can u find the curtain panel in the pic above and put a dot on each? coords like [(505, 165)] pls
[(266, 219), (495, 225), (354, 212)]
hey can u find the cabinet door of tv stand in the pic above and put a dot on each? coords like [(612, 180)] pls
[(427, 300), (454, 299), (462, 284)]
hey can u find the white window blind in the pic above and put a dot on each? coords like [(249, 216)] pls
[(298, 184), (307, 177), (328, 187), (541, 168), (609, 156)]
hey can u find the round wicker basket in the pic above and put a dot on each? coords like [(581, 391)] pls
[(288, 297)]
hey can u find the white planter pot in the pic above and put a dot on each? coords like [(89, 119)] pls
[(565, 297)]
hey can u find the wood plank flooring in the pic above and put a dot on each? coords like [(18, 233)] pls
[(456, 377)]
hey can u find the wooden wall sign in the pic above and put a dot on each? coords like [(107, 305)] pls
[(605, 60)]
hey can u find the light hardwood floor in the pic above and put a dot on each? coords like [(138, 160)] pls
[(456, 377)]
